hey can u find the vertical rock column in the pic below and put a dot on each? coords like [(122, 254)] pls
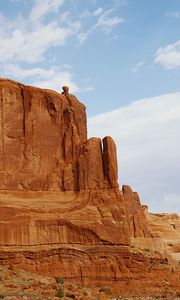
[(90, 165), (98, 165), (110, 164)]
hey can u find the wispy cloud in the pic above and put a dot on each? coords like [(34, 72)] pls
[(105, 21), (169, 56), (51, 78), (147, 137), (26, 40), (174, 14), (41, 8), (138, 66), (121, 2)]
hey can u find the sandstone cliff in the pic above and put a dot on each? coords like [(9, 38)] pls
[(44, 146), (61, 209), (166, 227)]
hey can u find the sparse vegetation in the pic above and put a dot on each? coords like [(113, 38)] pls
[(104, 290), (146, 249), (20, 284), (85, 292), (59, 280), (60, 294)]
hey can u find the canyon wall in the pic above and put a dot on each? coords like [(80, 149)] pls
[(60, 201), (44, 146)]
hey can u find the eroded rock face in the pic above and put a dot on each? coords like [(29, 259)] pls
[(59, 190), (166, 228), (40, 134), (137, 222), (44, 146)]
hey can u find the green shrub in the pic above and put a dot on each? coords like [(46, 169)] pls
[(60, 294), (105, 289), (59, 280)]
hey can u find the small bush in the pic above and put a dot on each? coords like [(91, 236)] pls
[(60, 294), (59, 280), (104, 290), (1, 296), (85, 292), (146, 249)]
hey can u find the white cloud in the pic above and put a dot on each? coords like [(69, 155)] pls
[(24, 44), (138, 66), (56, 81), (50, 78), (42, 7), (106, 22), (169, 56), (26, 41), (147, 137), (95, 13), (98, 11), (28, 38), (83, 36), (121, 2)]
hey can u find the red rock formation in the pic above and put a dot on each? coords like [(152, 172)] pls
[(44, 143), (41, 132), (59, 190), (110, 162), (166, 229), (137, 222)]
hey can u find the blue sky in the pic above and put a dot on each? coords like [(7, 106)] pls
[(106, 48), (111, 53)]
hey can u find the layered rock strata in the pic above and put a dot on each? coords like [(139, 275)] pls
[(166, 228), (59, 190)]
